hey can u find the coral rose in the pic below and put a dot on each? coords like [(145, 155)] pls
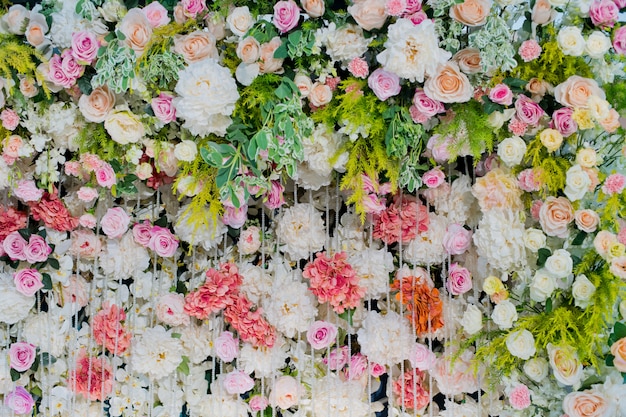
[(449, 85), (471, 12)]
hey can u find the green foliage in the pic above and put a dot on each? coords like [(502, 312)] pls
[(161, 70), (93, 138), (249, 107), (115, 67), (17, 57), (616, 94), (611, 209), (550, 170)]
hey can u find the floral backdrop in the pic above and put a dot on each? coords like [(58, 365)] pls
[(364, 208)]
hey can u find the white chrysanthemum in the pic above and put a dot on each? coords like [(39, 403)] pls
[(301, 231), (291, 308), (373, 268), (342, 44), (411, 50), (156, 353), (316, 169), (204, 231), (14, 306), (124, 258), (334, 397), (427, 248), (500, 239), (207, 94), (385, 339), (263, 361), (197, 341)]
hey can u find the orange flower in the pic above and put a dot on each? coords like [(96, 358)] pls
[(424, 307)]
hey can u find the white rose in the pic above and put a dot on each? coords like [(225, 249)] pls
[(504, 314), (536, 369), (472, 320), (577, 183), (559, 264), (587, 158), (571, 41), (497, 119), (14, 306), (598, 107), (14, 20), (534, 239), (186, 151), (542, 286), (597, 44), (582, 290), (511, 150), (240, 20), (246, 73), (249, 240), (566, 366), (124, 127), (521, 344)]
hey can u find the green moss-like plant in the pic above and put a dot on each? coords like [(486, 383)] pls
[(249, 107), (17, 57), (93, 138)]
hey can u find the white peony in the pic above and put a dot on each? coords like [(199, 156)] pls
[(582, 291), (456, 202), (504, 314), (263, 361), (500, 239), (257, 282), (124, 258), (301, 231), (207, 94), (411, 50), (521, 344), (387, 339), (316, 169), (156, 353), (577, 183), (48, 330), (333, 397), (571, 41), (472, 320), (427, 248), (542, 286), (14, 306), (342, 44), (511, 150), (197, 341), (373, 268)]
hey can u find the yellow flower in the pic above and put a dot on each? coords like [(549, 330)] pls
[(551, 139), (492, 285), (616, 250), (587, 158), (582, 117)]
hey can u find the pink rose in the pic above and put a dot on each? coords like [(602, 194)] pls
[(28, 281), (87, 220), (238, 382), (501, 94), (286, 392), (156, 14), (275, 198), (421, 357), (10, 119), (457, 239), (84, 47), (56, 74), (85, 244), (519, 397), (87, 194), (426, 105), (191, 8), (136, 29), (321, 334), (438, 148), (70, 66), (603, 13), (163, 108), (563, 122), (226, 347), (37, 250), (22, 355), (385, 84), (19, 400), (115, 222), (258, 403), (417, 17), (337, 358), (235, 217), (376, 369), (286, 15), (142, 233), (105, 176), (433, 178), (528, 111), (619, 40), (459, 279), (356, 367), (27, 191), (162, 241), (170, 310), (586, 220)]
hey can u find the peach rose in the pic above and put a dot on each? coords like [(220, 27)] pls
[(497, 189), (611, 122), (471, 12), (195, 46), (249, 50), (369, 14), (449, 85), (468, 60), (542, 12), (555, 215), (603, 242), (618, 349), (240, 20), (216, 24), (576, 90), (538, 88), (566, 366), (587, 220), (14, 19), (314, 8), (320, 94), (28, 87), (96, 106), (137, 29), (268, 63), (587, 403), (36, 30)]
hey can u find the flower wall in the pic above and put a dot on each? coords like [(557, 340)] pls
[(372, 208)]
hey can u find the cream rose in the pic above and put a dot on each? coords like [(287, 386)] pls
[(314, 8), (589, 403), (286, 392), (566, 367), (511, 150), (504, 314), (124, 127), (36, 29), (555, 215), (597, 44), (449, 85), (618, 349), (471, 12), (542, 12), (582, 291), (240, 20), (551, 139), (472, 320), (587, 220), (304, 84), (536, 369), (137, 29), (521, 344), (497, 119), (577, 183), (534, 239), (468, 60), (603, 242), (587, 158), (268, 64), (195, 46), (576, 90), (369, 14), (559, 264), (538, 88), (542, 286), (96, 106), (186, 151), (320, 94), (571, 41), (15, 18)]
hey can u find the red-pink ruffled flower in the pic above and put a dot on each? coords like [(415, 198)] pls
[(519, 397), (402, 221), (249, 322), (10, 221), (53, 213), (108, 329), (614, 184), (409, 390), (218, 291), (529, 50), (358, 67), (92, 377), (333, 280), (517, 127)]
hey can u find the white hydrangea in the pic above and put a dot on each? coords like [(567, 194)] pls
[(316, 169), (156, 353), (14, 306), (373, 268), (206, 231), (301, 231), (197, 341), (342, 44), (207, 94), (257, 282), (123, 258), (427, 248), (65, 22), (334, 397), (500, 239), (385, 339), (48, 330)]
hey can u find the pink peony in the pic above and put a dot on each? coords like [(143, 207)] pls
[(249, 322), (88, 220), (170, 309), (519, 397), (51, 210), (401, 221), (526, 180), (28, 281), (321, 334), (274, 198), (27, 191), (286, 15), (218, 291), (87, 194), (10, 221), (258, 403), (22, 355), (357, 366), (409, 390)]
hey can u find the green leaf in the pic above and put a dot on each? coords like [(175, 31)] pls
[(619, 330), (176, 335), (223, 176), (47, 359), (294, 37), (211, 157), (47, 281), (161, 221), (347, 315), (609, 360), (14, 375), (515, 82), (544, 254), (281, 52), (490, 107), (25, 233), (183, 368), (54, 263), (580, 238), (283, 91), (549, 305)]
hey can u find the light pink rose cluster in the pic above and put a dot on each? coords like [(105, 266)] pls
[(424, 107), (33, 251), (459, 279), (84, 47), (457, 239), (156, 238), (115, 222), (63, 70), (321, 334), (19, 401), (28, 281), (238, 382), (604, 13)]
